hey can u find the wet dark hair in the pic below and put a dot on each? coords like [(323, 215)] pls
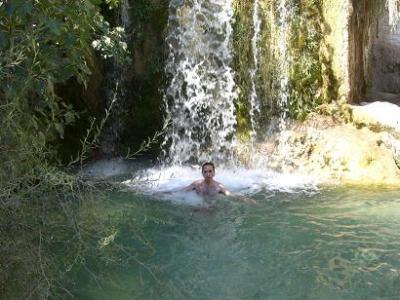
[(207, 164)]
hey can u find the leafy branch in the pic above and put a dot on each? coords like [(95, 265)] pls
[(150, 141), (90, 141)]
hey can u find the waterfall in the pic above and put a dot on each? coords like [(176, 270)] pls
[(285, 13), (201, 95), (394, 13), (253, 99)]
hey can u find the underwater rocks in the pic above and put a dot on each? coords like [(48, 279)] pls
[(332, 152)]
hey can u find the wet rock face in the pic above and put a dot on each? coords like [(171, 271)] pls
[(347, 27), (386, 58), (337, 16), (365, 50)]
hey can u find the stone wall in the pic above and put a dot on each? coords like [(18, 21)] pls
[(361, 30), (351, 35), (385, 58)]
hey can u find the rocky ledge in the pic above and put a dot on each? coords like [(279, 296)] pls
[(363, 151)]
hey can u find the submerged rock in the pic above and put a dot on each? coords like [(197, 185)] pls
[(332, 151)]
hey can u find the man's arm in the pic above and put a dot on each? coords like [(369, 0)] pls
[(188, 188), (226, 192)]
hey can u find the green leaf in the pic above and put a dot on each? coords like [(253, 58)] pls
[(41, 138), (70, 117), (35, 124), (113, 3), (55, 26), (19, 8), (3, 39), (60, 129)]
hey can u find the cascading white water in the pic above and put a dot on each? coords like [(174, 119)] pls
[(394, 13), (200, 103), (253, 98), (201, 95), (285, 13)]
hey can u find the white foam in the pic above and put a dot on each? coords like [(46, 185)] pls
[(239, 180), (200, 98)]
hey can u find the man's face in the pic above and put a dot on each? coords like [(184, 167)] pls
[(208, 172)]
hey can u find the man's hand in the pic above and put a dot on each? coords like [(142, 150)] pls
[(247, 200), (244, 199)]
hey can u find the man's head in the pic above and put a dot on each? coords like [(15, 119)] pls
[(208, 171)]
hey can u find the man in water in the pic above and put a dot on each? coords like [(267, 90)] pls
[(207, 186), (210, 187)]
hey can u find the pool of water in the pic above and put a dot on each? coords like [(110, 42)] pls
[(298, 243)]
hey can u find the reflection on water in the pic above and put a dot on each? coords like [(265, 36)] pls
[(331, 243)]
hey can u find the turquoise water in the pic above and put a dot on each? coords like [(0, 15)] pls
[(331, 243)]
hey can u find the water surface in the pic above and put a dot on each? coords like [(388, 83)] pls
[(297, 243)]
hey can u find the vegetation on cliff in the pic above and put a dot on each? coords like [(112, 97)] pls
[(311, 78), (311, 81), (243, 32)]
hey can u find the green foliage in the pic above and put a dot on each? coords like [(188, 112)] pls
[(43, 44), (269, 63), (242, 60), (112, 3), (311, 79), (112, 45)]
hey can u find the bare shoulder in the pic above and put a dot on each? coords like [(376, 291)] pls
[(194, 185), (197, 182)]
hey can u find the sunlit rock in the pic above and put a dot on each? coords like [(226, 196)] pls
[(386, 57), (337, 16), (333, 152), (377, 113)]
